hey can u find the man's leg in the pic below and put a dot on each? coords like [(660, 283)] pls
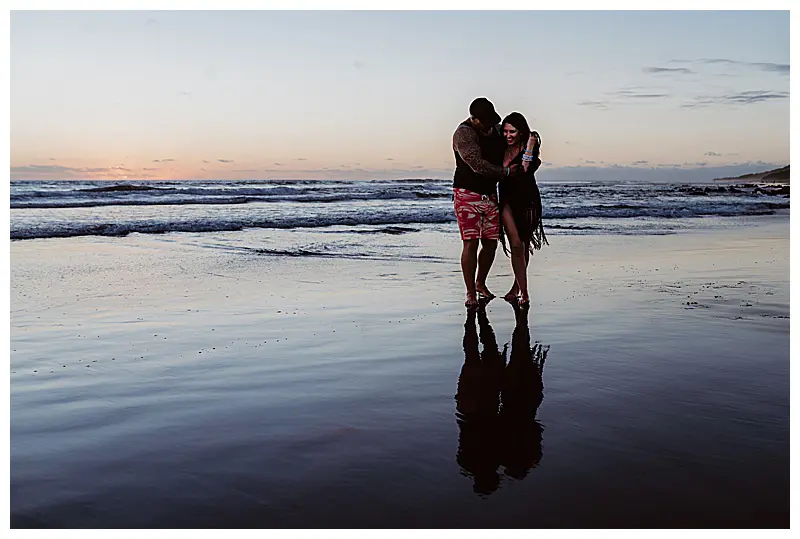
[(490, 232), (485, 260), (469, 261)]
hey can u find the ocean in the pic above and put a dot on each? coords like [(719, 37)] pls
[(51, 209)]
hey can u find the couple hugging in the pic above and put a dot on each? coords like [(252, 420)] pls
[(489, 152)]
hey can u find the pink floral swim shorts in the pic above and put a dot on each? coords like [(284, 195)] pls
[(478, 215)]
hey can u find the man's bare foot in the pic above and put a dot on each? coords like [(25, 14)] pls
[(472, 301), (483, 290)]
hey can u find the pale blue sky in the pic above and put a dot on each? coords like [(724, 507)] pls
[(378, 94)]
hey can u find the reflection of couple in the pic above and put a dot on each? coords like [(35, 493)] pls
[(496, 403), (484, 156)]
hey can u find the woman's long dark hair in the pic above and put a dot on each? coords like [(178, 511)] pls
[(518, 121)]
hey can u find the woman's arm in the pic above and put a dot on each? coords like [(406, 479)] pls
[(530, 157)]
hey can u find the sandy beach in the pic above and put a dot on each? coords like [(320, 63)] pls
[(178, 381)]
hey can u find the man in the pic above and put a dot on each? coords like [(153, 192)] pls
[(479, 148)]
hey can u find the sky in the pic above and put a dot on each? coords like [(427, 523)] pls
[(333, 95)]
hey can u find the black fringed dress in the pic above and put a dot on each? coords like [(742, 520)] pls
[(522, 194)]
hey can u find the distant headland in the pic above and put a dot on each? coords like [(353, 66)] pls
[(778, 175)]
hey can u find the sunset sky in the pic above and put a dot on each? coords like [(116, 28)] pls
[(182, 95)]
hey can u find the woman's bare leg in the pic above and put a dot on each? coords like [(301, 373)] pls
[(514, 292), (527, 248), (518, 262)]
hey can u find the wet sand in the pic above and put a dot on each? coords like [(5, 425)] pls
[(160, 381)]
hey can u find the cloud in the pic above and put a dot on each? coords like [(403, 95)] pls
[(52, 158), (713, 154), (620, 97), (301, 159), (771, 67), (226, 160), (675, 70), (61, 171), (776, 68), (359, 65), (740, 98), (149, 169), (762, 164), (184, 93), (589, 162), (600, 105), (53, 169), (389, 159), (163, 160), (636, 94), (204, 161), (640, 163), (278, 164), (764, 66)]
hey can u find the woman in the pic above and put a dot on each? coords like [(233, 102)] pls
[(520, 202)]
